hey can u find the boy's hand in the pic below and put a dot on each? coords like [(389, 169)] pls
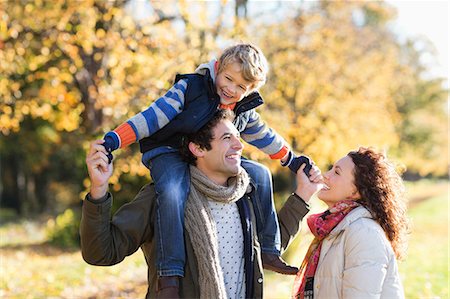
[(98, 168), (294, 163), (315, 175), (307, 187), (109, 145), (299, 161)]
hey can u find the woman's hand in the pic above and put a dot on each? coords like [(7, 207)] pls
[(307, 187)]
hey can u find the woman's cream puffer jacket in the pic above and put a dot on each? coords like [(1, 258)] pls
[(357, 261)]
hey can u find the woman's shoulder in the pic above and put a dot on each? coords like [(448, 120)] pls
[(362, 223), (359, 218), (366, 232)]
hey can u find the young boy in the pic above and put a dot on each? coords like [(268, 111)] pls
[(229, 83)]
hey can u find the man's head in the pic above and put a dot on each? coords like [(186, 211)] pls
[(216, 148), (240, 70)]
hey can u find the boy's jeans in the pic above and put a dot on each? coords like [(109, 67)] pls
[(172, 182), (266, 216)]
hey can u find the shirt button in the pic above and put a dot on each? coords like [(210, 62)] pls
[(260, 280)]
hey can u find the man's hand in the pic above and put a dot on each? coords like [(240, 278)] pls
[(306, 187), (98, 168)]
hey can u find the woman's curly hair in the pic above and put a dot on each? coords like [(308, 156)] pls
[(383, 194)]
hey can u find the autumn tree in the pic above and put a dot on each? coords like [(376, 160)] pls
[(75, 70), (72, 70), (423, 105), (340, 79)]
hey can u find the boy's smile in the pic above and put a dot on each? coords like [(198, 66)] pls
[(230, 85)]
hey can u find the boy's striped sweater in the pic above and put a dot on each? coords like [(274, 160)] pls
[(149, 121), (167, 107)]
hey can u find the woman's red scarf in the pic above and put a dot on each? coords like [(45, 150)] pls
[(320, 225)]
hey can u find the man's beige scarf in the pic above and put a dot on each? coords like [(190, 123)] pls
[(202, 230)]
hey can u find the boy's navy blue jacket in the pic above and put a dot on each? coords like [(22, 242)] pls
[(200, 104)]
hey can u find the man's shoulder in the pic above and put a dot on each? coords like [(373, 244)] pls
[(148, 188), (146, 192), (144, 201)]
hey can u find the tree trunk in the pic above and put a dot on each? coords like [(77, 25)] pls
[(92, 117), (10, 195)]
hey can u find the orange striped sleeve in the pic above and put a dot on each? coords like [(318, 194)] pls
[(126, 134), (281, 153)]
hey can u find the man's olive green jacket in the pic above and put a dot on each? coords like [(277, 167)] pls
[(106, 242)]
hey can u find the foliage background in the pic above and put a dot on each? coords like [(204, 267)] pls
[(75, 69), (72, 70)]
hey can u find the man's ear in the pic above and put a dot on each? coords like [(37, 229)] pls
[(196, 150)]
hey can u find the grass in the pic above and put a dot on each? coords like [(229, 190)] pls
[(425, 270), (51, 273), (30, 268)]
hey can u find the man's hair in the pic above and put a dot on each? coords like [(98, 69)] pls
[(204, 136), (253, 63)]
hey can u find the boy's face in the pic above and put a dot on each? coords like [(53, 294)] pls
[(230, 85)]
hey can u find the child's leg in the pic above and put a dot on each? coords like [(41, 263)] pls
[(266, 215), (171, 177)]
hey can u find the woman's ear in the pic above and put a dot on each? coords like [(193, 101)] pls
[(355, 195), (196, 150)]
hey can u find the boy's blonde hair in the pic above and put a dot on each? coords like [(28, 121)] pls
[(254, 65)]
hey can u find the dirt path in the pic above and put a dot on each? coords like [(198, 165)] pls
[(436, 190)]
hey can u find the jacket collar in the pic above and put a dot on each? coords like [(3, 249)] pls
[(357, 213), (251, 101), (207, 68), (210, 86)]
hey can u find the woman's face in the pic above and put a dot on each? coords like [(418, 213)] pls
[(338, 183)]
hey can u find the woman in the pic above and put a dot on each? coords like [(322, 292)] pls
[(360, 236)]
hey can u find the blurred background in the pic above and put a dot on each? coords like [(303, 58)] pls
[(342, 74)]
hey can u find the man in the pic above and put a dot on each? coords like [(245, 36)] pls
[(223, 258)]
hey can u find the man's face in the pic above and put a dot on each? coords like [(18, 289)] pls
[(230, 85), (223, 160)]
